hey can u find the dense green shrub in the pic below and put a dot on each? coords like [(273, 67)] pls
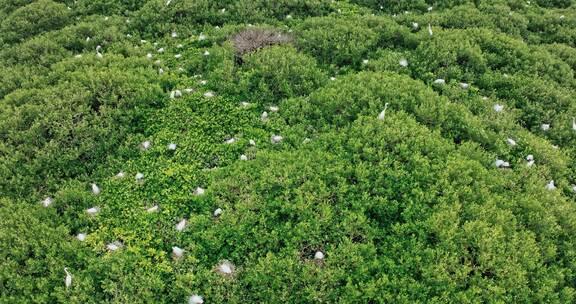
[(34, 18), (336, 41), (280, 72), (378, 148)]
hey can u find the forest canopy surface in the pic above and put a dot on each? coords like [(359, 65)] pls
[(289, 151)]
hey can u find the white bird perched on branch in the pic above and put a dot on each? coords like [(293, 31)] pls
[(510, 142), (225, 268), (195, 299), (168, 2), (114, 246), (206, 53), (95, 189), (415, 26), (273, 109), (218, 212), (430, 29), (550, 185), (201, 37), (545, 127), (177, 253), (209, 94), (276, 139), (231, 140), (382, 114), (440, 81), (502, 164), (181, 225), (243, 157), (574, 123), (81, 236), (174, 34), (464, 85), (403, 62), (152, 209), (68, 279), (172, 146), (264, 116), (145, 145), (530, 159), (139, 177), (319, 256), (47, 202), (120, 174), (252, 142), (199, 191), (92, 211), (498, 108)]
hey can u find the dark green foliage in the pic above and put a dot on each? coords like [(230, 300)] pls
[(407, 207)]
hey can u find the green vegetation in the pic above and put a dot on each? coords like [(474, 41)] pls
[(346, 152)]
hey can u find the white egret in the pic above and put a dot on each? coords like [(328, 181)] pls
[(273, 108), (203, 82), (47, 202), (264, 116), (217, 212), (306, 140), (225, 268), (209, 94), (430, 29), (243, 157), (92, 211), (160, 50), (149, 55), (415, 26), (332, 78), (68, 279), (550, 185), (319, 256), (365, 61), (195, 299), (145, 145), (177, 253), (139, 177), (498, 108), (252, 142), (464, 85), (120, 174), (206, 53), (403, 62), (276, 139), (199, 191), (172, 146), (177, 56), (161, 71), (545, 127), (231, 140), (440, 81), (95, 189), (152, 209), (382, 114), (114, 246), (81, 236), (201, 37), (181, 225), (174, 35), (510, 142), (574, 123)]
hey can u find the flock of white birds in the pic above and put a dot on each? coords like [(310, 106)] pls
[(225, 267)]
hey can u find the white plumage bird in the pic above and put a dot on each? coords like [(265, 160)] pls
[(382, 114), (92, 211), (177, 253), (47, 202), (114, 246), (146, 145), (81, 236), (276, 139), (152, 209), (403, 62), (498, 108), (218, 212), (209, 94), (440, 81), (264, 116), (273, 109), (181, 225), (174, 35), (545, 127), (550, 185), (415, 26), (195, 299), (199, 191), (319, 255), (574, 123), (464, 85), (243, 157), (430, 29), (95, 189), (230, 140), (68, 279), (120, 174), (172, 146), (511, 142), (139, 177), (252, 142), (225, 268)]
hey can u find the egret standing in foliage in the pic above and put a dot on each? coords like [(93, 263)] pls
[(530, 159), (574, 123), (181, 225), (276, 139), (550, 185), (498, 108), (319, 256), (199, 191), (81, 236), (217, 212), (403, 62), (95, 189), (382, 114), (545, 127), (510, 142), (92, 211), (225, 268), (47, 202), (177, 253), (195, 299), (68, 279), (114, 246), (430, 29)]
